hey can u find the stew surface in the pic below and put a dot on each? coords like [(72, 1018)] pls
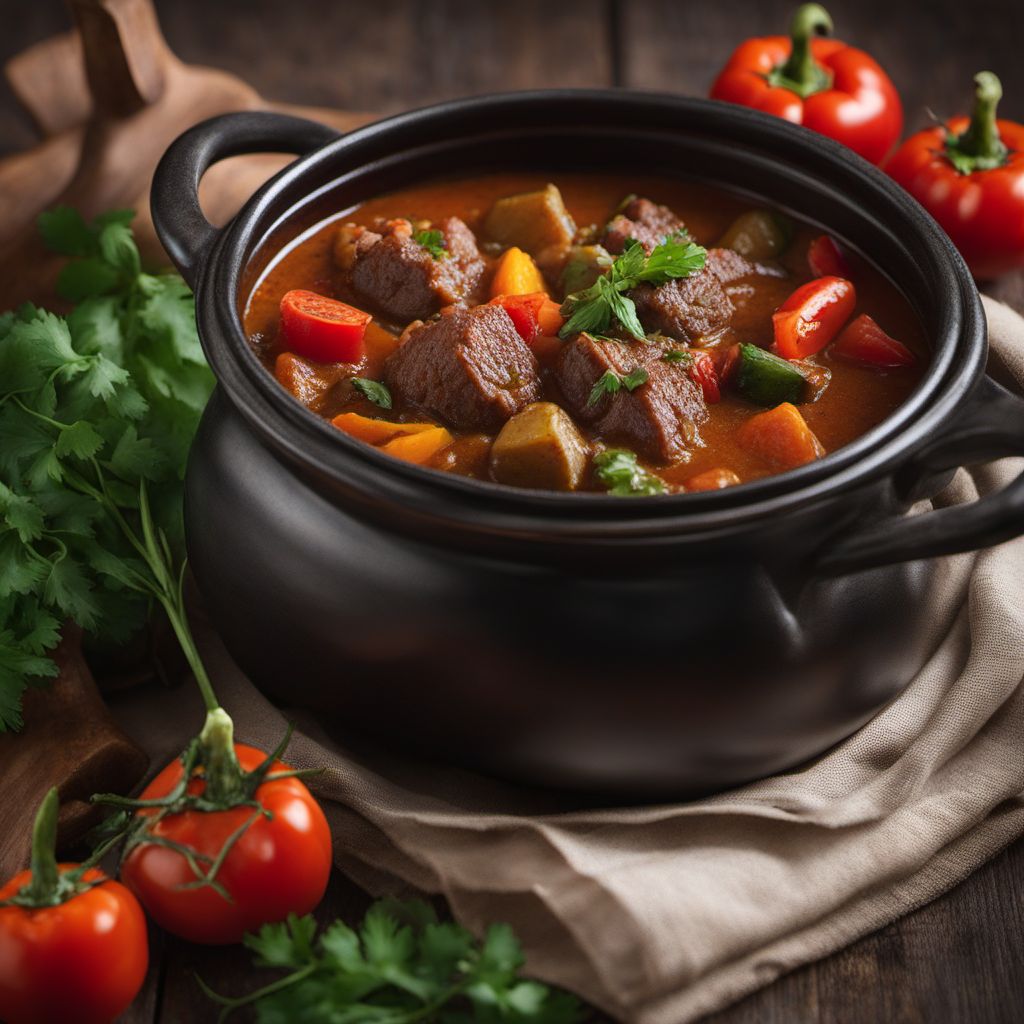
[(489, 326)]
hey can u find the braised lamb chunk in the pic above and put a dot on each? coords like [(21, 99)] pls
[(729, 266), (647, 222), (689, 308), (660, 418), (470, 369), (402, 279)]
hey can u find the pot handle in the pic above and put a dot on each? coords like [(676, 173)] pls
[(180, 224), (991, 427)]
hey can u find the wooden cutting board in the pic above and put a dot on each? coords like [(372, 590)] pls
[(107, 100)]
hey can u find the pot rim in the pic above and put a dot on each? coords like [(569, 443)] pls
[(344, 464)]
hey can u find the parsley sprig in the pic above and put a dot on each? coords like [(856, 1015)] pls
[(433, 242), (95, 408), (595, 308), (610, 382), (373, 391), (619, 470), (400, 966)]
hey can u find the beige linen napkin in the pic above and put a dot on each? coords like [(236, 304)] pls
[(663, 914)]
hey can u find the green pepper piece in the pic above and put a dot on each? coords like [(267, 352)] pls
[(766, 379), (758, 235)]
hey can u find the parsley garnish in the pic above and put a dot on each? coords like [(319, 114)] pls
[(594, 308), (610, 382), (677, 355), (433, 242), (373, 390), (624, 477), (94, 407), (401, 965)]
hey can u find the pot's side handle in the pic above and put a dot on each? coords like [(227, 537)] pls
[(183, 229), (992, 427)]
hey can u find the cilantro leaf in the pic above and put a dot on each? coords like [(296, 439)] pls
[(399, 966), (595, 308), (624, 477), (433, 242), (610, 382), (373, 390)]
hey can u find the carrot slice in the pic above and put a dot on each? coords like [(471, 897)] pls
[(517, 274), (419, 447), (375, 431), (781, 438)]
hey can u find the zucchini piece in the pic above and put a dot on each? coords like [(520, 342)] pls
[(758, 235), (767, 379), (532, 221)]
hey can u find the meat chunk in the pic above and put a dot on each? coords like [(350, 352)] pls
[(729, 266), (470, 369), (660, 418), (690, 308), (390, 271), (647, 222)]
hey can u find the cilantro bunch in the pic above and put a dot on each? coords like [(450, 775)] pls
[(401, 966), (96, 408), (595, 308), (620, 471)]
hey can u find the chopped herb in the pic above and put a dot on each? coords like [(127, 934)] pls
[(678, 355), (373, 390), (433, 242), (399, 966), (596, 307), (610, 382), (624, 477)]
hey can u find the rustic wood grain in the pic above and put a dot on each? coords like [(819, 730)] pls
[(958, 960)]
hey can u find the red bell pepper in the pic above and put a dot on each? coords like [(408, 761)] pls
[(863, 341), (322, 329), (535, 315), (820, 83), (969, 175), (811, 317), (703, 371), (826, 259)]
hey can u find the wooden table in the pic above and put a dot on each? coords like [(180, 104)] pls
[(961, 958)]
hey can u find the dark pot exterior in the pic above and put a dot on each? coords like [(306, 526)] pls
[(653, 649)]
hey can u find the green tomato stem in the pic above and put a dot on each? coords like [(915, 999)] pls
[(980, 143), (43, 889), (801, 73)]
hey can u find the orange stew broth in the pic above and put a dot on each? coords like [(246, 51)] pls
[(857, 399)]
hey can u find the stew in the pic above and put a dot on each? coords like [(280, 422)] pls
[(599, 333)]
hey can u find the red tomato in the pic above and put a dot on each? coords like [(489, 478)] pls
[(704, 373), (535, 315), (279, 866), (80, 962), (822, 84), (322, 329), (826, 259), (811, 317), (863, 341)]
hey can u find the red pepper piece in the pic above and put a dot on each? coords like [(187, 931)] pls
[(969, 175), (535, 315), (863, 341), (826, 259), (822, 84), (811, 317), (322, 329), (704, 372)]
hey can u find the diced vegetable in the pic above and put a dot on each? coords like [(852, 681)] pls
[(758, 235), (323, 329), (379, 343), (533, 315), (419, 447), (517, 274), (811, 317), (863, 341), (781, 438), (826, 259), (540, 447), (586, 263), (712, 480), (702, 371), (534, 221), (372, 431), (307, 381), (619, 470), (766, 379)]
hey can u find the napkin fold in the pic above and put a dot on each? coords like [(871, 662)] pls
[(663, 914)]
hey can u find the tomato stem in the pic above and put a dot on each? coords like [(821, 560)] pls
[(43, 889), (979, 147), (801, 73)]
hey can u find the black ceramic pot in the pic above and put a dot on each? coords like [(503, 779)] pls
[(649, 648)]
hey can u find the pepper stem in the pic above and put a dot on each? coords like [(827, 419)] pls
[(979, 147), (801, 73), (42, 890)]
